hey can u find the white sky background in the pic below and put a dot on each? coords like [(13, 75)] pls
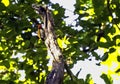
[(88, 67), (69, 12)]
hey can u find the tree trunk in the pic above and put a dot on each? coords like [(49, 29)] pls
[(57, 72)]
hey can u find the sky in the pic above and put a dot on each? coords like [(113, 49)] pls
[(69, 11)]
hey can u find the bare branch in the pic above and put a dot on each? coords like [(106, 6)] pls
[(57, 73)]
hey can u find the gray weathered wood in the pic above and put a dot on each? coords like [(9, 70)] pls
[(57, 72)]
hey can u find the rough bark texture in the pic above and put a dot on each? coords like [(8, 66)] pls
[(57, 73)]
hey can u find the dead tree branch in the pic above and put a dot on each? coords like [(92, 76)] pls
[(57, 73)]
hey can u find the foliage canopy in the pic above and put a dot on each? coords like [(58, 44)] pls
[(100, 27)]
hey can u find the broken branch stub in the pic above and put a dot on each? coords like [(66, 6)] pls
[(57, 72)]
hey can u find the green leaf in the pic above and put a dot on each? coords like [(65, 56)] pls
[(5, 63), (4, 82), (103, 44), (116, 37), (33, 39), (88, 79), (113, 30), (2, 7), (95, 55), (98, 6), (105, 57), (27, 44), (118, 58), (107, 79), (111, 50), (117, 71)]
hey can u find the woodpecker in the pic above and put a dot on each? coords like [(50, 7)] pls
[(41, 33)]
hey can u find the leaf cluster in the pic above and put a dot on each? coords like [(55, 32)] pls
[(97, 18)]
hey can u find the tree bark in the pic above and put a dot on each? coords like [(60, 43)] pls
[(57, 73)]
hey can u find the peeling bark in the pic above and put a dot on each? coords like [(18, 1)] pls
[(57, 72)]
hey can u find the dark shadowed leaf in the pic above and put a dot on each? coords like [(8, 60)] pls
[(96, 55), (118, 70), (112, 50), (107, 79), (118, 58), (104, 57)]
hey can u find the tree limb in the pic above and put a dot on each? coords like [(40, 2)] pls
[(57, 73)]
